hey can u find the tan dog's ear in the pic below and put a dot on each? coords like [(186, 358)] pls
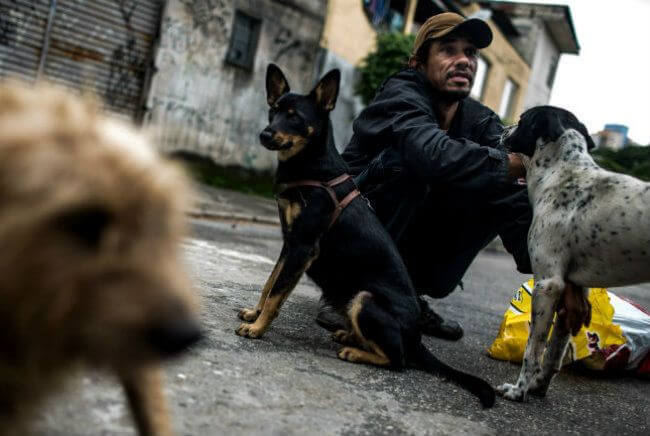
[(327, 90), (276, 84)]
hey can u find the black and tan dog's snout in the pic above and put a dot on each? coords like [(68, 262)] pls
[(266, 138)]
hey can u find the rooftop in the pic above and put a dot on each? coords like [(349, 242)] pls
[(557, 19)]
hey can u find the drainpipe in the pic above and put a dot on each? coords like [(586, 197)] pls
[(46, 40), (409, 14)]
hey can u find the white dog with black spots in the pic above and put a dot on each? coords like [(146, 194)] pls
[(591, 227)]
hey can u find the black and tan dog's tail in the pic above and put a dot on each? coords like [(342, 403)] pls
[(428, 362)]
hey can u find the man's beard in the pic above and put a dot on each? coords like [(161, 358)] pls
[(452, 96), (456, 95)]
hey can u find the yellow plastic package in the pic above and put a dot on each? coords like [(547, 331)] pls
[(617, 338)]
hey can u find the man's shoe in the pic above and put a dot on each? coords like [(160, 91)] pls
[(432, 324), (328, 318)]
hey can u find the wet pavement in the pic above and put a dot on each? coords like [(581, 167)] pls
[(290, 382)]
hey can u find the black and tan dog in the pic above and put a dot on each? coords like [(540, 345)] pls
[(331, 233)]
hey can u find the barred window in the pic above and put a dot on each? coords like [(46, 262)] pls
[(243, 40)]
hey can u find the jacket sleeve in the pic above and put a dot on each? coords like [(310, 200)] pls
[(429, 153)]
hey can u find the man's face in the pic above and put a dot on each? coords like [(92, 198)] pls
[(451, 66)]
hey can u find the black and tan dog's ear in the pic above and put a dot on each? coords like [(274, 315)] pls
[(276, 84), (327, 90)]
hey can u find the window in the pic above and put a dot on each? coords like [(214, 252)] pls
[(385, 15), (243, 40), (479, 80), (507, 99), (552, 68)]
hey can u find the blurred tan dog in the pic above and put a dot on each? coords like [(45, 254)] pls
[(90, 272)]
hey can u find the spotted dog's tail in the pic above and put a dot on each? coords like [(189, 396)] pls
[(426, 361)]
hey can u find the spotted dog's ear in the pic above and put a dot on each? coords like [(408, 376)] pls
[(276, 84), (327, 90), (553, 128), (590, 142)]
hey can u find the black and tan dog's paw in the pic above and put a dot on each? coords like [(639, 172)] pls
[(344, 337), (249, 331), (248, 315), (350, 354)]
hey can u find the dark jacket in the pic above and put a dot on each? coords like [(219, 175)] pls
[(400, 157), (401, 117)]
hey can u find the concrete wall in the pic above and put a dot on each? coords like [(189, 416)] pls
[(348, 105), (199, 103), (538, 91), (348, 33), (505, 62), (347, 38)]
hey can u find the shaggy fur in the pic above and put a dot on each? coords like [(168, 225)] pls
[(89, 267)]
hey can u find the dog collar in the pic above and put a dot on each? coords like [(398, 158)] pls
[(329, 187)]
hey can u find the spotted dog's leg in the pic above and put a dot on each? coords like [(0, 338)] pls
[(575, 311), (552, 360), (545, 297)]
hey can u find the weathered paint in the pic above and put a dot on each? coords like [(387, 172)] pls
[(101, 46), (200, 103)]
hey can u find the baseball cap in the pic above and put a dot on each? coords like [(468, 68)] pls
[(443, 24)]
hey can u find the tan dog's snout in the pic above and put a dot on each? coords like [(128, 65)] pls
[(170, 337)]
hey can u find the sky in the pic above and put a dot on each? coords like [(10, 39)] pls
[(609, 81)]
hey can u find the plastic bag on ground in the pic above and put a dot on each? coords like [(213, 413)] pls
[(618, 337)]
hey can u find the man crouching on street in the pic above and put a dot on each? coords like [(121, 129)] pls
[(427, 158)]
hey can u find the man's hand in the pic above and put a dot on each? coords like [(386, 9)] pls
[(516, 168), (574, 310)]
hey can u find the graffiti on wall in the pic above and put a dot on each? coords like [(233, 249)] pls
[(197, 98), (287, 45), (211, 17)]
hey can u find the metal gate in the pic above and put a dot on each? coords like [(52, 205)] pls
[(102, 45)]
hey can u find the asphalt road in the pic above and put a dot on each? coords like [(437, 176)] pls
[(291, 383)]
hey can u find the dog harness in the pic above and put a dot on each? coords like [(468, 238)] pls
[(329, 187)]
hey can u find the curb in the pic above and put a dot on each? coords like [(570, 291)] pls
[(233, 217)]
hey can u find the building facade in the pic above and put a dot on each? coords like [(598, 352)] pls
[(208, 95), (515, 72), (350, 31), (613, 136), (102, 46), (194, 70), (541, 34)]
